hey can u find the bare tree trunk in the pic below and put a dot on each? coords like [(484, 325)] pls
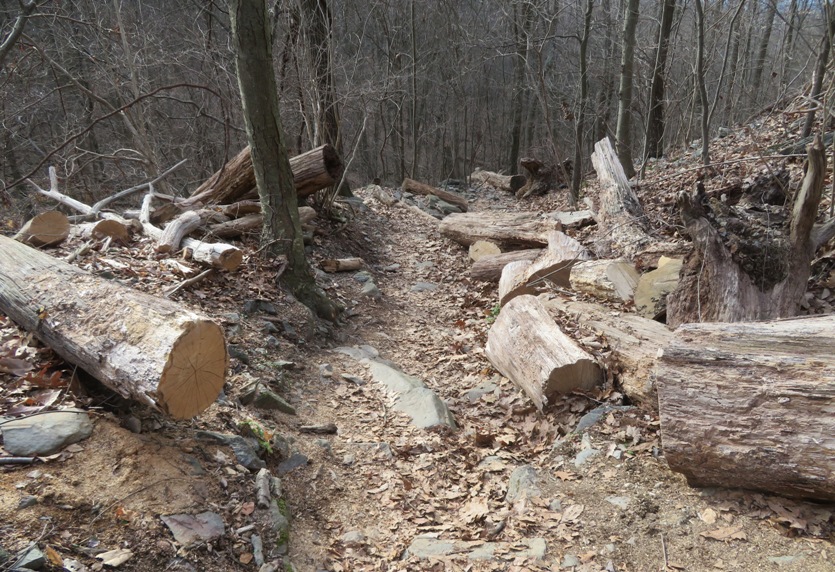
[(624, 130), (820, 66), (17, 29), (700, 81), (763, 50), (521, 25), (577, 167), (282, 234), (655, 122)]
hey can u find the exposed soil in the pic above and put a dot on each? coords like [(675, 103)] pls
[(378, 475)]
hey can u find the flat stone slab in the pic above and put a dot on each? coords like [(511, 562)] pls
[(45, 434), (425, 408), (428, 547), (392, 378), (188, 529)]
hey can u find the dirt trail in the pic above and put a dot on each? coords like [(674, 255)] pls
[(603, 498)]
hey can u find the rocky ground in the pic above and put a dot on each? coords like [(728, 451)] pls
[(348, 477)]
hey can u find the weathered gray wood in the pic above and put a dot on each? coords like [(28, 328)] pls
[(489, 268), (613, 280), (145, 348), (508, 230), (509, 183), (528, 348), (752, 405), (418, 188)]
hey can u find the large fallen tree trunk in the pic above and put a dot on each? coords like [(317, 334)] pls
[(145, 348), (528, 348), (509, 183), (313, 170), (418, 188), (750, 405), (489, 268), (634, 342), (508, 230), (715, 287)]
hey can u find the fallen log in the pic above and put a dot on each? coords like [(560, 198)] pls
[(145, 348), (509, 230), (634, 342), (528, 348), (418, 188), (541, 178), (176, 230), (552, 266), (104, 228), (489, 268), (613, 280), (313, 170), (509, 183), (750, 405), (46, 229), (342, 264)]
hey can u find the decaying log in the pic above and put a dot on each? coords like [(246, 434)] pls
[(176, 230), (420, 212), (634, 342), (342, 264), (654, 287), (418, 188), (750, 405), (313, 170), (509, 183), (541, 178), (552, 266), (613, 280), (105, 228), (46, 229), (237, 227), (241, 208), (489, 268), (143, 347), (508, 230), (622, 230), (528, 348), (715, 288)]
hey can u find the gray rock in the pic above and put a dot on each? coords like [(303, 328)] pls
[(253, 306), (238, 354), (379, 449), (26, 502), (272, 342), (447, 208), (597, 414), (348, 460), (353, 379), (132, 424), (191, 528), (425, 265), (424, 287), (392, 267), (477, 393), (354, 352), (428, 547), (45, 434), (362, 276), (584, 455), (371, 351), (245, 453), (425, 408), (785, 560), (270, 328), (570, 561), (280, 526), (370, 290), (523, 481), (231, 317), (295, 461), (31, 558), (257, 549), (393, 379), (325, 370), (555, 505), (620, 502), (270, 400), (353, 538)]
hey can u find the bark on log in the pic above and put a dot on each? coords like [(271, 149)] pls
[(750, 405), (622, 230), (528, 348), (313, 170), (342, 264), (418, 188), (541, 178), (176, 230), (552, 266), (489, 268), (508, 230), (715, 288), (237, 227), (509, 183), (634, 342), (46, 229), (143, 347), (241, 208)]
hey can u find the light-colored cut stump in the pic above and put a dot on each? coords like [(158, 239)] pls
[(483, 248), (752, 405), (653, 288), (514, 282), (613, 280), (528, 348), (145, 348), (342, 264), (46, 229)]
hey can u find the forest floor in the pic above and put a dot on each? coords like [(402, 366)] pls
[(360, 498)]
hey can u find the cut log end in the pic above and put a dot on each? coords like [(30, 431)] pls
[(46, 229), (564, 379), (194, 373)]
